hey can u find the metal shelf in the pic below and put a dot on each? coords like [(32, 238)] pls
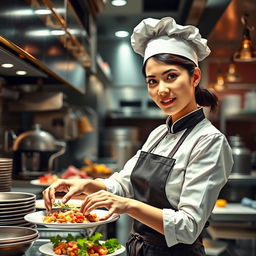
[(237, 176)]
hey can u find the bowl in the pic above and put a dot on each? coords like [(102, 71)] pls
[(9, 234), (15, 241), (16, 249), (14, 197)]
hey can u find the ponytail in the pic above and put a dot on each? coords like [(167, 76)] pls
[(206, 98)]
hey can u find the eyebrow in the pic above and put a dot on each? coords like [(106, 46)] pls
[(166, 71)]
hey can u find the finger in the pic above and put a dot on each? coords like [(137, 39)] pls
[(86, 204), (108, 215), (92, 199), (94, 206), (87, 201), (49, 194), (47, 199), (69, 195)]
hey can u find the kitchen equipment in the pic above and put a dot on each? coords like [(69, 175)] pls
[(34, 151), (241, 155), (67, 123), (250, 101), (120, 143), (17, 240), (231, 104)]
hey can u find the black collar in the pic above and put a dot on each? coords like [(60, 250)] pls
[(189, 120)]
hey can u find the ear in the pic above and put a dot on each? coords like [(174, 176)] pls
[(196, 76)]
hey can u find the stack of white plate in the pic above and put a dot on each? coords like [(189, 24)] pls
[(14, 206), (5, 174)]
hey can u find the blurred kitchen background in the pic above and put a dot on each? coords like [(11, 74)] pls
[(72, 89)]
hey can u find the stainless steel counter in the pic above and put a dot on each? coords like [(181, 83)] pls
[(25, 186), (234, 212)]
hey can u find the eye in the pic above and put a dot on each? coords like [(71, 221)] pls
[(171, 76), (151, 82)]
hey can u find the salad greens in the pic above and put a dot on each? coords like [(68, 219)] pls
[(111, 244), (61, 205)]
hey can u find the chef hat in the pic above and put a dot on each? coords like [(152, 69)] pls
[(153, 36)]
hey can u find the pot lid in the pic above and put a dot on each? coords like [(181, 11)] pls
[(36, 139)]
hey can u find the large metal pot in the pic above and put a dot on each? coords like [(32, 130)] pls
[(34, 150), (120, 143), (241, 155)]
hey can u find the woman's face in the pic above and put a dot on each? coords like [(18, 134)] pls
[(171, 87)]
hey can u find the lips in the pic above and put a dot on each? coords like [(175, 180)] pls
[(167, 101)]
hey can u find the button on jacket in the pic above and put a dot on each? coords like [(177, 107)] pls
[(203, 164)]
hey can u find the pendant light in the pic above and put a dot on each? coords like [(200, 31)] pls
[(232, 74), (246, 53), (219, 84)]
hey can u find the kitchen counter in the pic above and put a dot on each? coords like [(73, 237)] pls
[(235, 222), (25, 187), (233, 212)]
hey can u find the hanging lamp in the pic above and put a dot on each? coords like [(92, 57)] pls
[(246, 53), (219, 84), (232, 74)]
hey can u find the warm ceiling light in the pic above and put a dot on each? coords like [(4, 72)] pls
[(121, 33), (7, 65), (220, 82), (232, 75), (43, 12), (21, 72), (246, 53), (118, 2), (58, 32)]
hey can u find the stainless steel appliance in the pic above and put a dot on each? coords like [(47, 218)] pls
[(34, 151), (242, 156), (120, 143)]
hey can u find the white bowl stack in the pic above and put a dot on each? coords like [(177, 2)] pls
[(14, 206), (5, 174)]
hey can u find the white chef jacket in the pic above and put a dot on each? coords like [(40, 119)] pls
[(203, 164)]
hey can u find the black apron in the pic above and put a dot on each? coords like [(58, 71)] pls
[(148, 179)]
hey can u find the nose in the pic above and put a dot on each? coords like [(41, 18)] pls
[(163, 89)]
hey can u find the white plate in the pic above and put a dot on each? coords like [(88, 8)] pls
[(72, 203), (37, 218), (48, 249)]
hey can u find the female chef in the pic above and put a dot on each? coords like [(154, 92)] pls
[(170, 186)]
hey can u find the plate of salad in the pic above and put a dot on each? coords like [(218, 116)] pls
[(82, 246), (70, 218)]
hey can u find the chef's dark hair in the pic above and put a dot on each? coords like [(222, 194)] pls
[(204, 97)]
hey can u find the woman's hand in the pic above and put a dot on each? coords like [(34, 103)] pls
[(147, 214), (71, 187), (102, 198)]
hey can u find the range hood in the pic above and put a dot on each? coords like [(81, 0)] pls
[(19, 59), (32, 69), (47, 41)]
